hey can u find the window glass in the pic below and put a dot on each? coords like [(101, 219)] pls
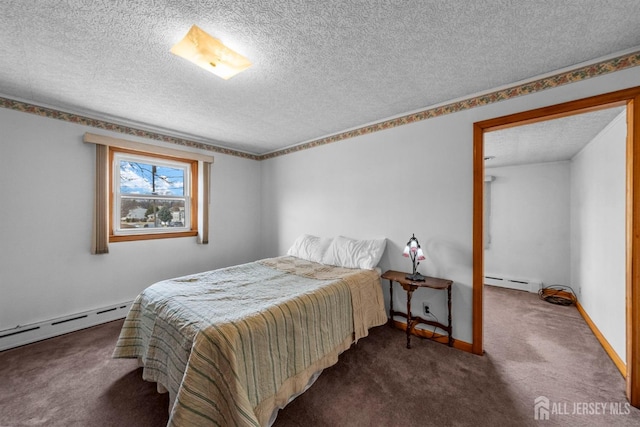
[(150, 179), (150, 195)]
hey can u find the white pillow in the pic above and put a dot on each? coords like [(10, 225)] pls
[(309, 247), (352, 253)]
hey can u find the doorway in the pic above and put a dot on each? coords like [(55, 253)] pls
[(628, 98)]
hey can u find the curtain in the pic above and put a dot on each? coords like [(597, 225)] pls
[(100, 235), (204, 202)]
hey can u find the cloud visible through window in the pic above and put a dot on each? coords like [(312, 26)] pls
[(142, 178)]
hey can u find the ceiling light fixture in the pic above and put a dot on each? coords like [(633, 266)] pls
[(209, 53)]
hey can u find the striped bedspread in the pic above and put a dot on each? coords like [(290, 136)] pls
[(233, 345)]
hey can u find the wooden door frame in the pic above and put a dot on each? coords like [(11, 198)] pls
[(630, 98)]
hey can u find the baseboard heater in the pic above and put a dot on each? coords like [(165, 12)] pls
[(26, 334), (511, 283)]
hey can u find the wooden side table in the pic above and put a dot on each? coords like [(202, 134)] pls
[(409, 286)]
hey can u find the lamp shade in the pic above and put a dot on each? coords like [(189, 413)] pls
[(406, 251)]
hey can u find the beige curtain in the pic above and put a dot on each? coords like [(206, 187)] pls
[(204, 223), (100, 236)]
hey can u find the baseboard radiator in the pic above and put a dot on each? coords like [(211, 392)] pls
[(26, 334), (511, 283)]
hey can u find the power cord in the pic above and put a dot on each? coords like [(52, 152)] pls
[(433, 332), (558, 294)]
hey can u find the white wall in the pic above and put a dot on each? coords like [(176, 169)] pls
[(382, 185), (46, 270), (415, 178), (529, 223), (598, 231)]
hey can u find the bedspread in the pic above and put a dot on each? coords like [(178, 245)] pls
[(232, 345)]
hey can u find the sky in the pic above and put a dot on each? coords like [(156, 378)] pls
[(137, 178)]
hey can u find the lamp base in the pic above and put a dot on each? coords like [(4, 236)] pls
[(417, 277)]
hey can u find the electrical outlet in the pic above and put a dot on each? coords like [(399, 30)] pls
[(425, 308)]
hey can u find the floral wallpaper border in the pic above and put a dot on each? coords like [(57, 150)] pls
[(598, 69), (101, 124), (605, 67)]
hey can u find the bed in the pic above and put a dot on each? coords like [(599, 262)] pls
[(232, 346)]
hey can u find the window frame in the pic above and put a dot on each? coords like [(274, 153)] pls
[(151, 233)]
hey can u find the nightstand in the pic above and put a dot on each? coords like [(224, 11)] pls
[(409, 286)]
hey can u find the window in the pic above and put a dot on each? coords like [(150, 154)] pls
[(153, 196), (145, 191)]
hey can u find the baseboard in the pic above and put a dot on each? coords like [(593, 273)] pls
[(526, 285), (27, 334), (622, 367), (442, 339)]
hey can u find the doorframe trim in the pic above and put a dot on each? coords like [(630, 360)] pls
[(629, 98)]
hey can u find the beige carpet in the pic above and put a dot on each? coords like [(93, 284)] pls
[(533, 349)]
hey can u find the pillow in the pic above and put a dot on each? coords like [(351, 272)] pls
[(352, 253), (309, 247)]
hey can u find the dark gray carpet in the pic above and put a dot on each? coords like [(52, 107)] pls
[(71, 380), (533, 349)]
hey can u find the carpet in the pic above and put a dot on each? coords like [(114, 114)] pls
[(534, 350)]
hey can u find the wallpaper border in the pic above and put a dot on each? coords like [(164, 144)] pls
[(573, 76), (51, 113), (579, 74)]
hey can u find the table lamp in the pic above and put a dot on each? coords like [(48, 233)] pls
[(413, 251)]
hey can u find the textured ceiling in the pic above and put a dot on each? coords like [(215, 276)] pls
[(548, 141), (319, 67)]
